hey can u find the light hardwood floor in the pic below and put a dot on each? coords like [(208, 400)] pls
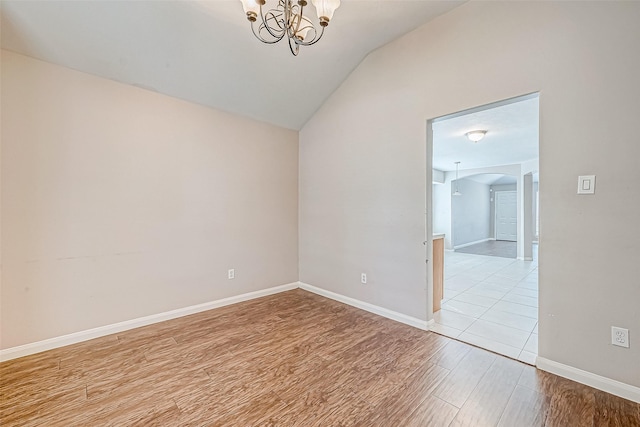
[(291, 359)]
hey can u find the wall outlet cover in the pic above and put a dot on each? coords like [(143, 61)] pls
[(620, 337)]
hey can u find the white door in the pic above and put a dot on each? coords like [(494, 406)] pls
[(506, 215)]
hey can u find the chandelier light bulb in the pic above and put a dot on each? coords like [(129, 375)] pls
[(303, 29), (325, 9), (251, 9)]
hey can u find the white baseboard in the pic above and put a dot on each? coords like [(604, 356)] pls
[(626, 391), (472, 243), (608, 385), (76, 337), (380, 311)]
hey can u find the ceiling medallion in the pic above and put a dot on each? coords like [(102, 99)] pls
[(287, 19)]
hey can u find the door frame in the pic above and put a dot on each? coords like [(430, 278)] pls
[(428, 238)]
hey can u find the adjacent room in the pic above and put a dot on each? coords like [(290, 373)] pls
[(227, 213), (485, 214)]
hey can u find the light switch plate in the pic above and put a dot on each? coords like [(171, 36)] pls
[(586, 184)]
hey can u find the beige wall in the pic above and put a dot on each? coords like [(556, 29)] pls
[(363, 165), (119, 203)]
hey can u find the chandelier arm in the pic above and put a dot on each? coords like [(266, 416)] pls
[(297, 22), (274, 21), (262, 39), (314, 40), (294, 47), (276, 36), (271, 16)]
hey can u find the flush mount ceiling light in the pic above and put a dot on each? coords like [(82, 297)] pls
[(287, 19), (476, 135), (457, 192)]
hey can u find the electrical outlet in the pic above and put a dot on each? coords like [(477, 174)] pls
[(363, 278), (231, 274), (620, 336)]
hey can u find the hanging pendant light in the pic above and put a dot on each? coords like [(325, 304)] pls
[(457, 192)]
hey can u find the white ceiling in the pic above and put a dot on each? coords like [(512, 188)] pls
[(204, 51), (512, 136)]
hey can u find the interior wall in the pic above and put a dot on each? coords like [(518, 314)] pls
[(119, 202), (470, 212), (363, 164)]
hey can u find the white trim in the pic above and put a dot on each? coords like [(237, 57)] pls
[(626, 391), (380, 311), (473, 243), (76, 337)]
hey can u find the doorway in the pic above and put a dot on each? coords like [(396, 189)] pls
[(480, 202)]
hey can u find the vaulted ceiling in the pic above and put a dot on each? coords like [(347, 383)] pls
[(204, 51)]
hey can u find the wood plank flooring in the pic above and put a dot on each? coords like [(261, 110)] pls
[(291, 359)]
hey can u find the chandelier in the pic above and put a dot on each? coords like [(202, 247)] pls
[(287, 19)]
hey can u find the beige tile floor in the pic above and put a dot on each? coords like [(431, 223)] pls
[(491, 302)]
